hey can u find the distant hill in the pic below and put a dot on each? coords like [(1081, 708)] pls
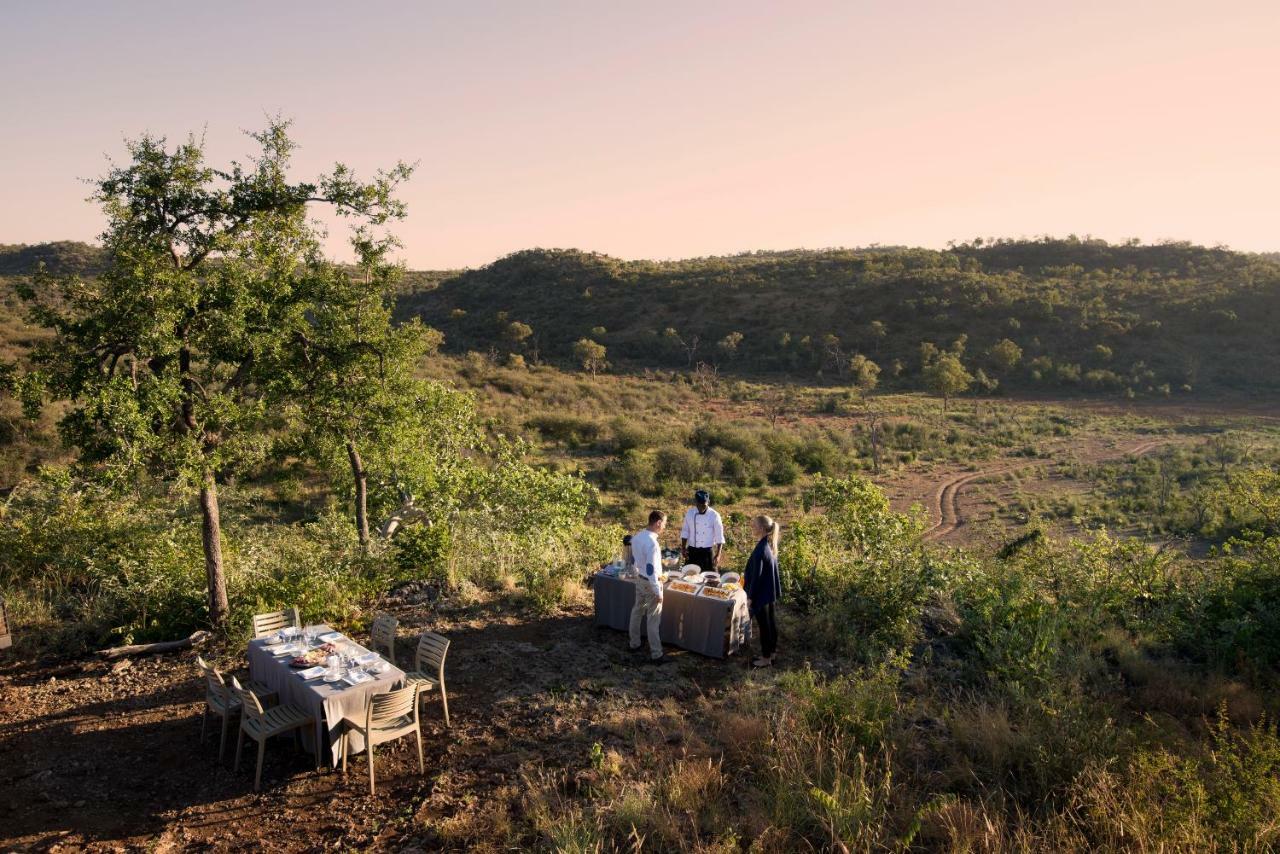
[(1087, 315), (1084, 315), (64, 256)]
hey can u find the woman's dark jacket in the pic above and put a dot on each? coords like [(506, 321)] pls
[(762, 581)]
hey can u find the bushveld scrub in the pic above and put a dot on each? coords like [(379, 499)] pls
[(1075, 316), (1031, 693), (1046, 699)]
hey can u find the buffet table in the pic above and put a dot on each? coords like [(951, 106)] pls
[(327, 702), (697, 621)]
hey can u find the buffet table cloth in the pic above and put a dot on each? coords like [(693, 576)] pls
[(714, 627), (326, 702)]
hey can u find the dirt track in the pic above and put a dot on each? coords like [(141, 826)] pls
[(945, 502)]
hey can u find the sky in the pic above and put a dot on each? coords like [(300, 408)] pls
[(677, 129)]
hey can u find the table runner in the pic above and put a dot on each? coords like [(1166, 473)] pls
[(714, 627), (326, 702)]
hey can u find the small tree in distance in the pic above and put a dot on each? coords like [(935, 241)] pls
[(946, 376), (591, 355)]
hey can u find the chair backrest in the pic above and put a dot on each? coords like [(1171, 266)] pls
[(392, 705), (215, 686), (265, 624), (252, 707), (432, 649), (383, 632)]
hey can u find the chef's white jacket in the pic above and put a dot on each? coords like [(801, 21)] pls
[(648, 554), (702, 530)]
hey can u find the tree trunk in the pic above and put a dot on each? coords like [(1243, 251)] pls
[(362, 493), (875, 445), (211, 535)]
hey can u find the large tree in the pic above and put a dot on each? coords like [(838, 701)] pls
[(348, 371), (161, 354)]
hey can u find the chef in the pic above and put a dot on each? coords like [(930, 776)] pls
[(702, 534)]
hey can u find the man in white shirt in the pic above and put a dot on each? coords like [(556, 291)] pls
[(702, 534), (647, 552)]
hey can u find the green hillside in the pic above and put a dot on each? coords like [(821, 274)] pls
[(1084, 315)]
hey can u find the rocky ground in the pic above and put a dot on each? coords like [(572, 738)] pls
[(98, 756)]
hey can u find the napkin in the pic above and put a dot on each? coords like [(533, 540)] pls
[(330, 637), (311, 672), (367, 658), (355, 677)]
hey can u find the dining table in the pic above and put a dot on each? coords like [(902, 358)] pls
[(696, 616), (329, 695)]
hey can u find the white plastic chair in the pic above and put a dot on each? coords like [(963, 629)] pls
[(428, 667), (383, 633), (387, 716), (261, 724), (220, 700), (268, 624)]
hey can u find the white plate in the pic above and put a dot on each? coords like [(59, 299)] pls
[(330, 637), (367, 658), (311, 672), (333, 677), (357, 677)]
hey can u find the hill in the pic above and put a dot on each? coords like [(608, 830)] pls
[(1082, 314)]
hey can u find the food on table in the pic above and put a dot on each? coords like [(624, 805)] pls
[(717, 592), (683, 587), (313, 657)]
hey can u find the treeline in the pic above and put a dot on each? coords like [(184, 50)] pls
[(1049, 315)]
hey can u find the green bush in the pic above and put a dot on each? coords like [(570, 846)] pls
[(422, 552)]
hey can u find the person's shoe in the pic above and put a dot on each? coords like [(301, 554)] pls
[(662, 659), (636, 648), (762, 662)]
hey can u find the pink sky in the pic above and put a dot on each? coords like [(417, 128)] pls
[(675, 129)]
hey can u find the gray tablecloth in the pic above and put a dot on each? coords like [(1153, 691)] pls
[(714, 627), (324, 701)]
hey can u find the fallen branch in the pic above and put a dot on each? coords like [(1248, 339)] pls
[(195, 639)]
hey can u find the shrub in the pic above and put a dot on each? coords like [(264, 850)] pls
[(680, 465)]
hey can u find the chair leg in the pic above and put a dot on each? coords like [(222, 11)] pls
[(422, 767), (204, 722), (257, 779), (222, 743), (343, 742), (444, 701), (369, 747)]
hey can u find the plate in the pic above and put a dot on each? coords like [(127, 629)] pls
[(330, 676), (310, 673), (330, 637)]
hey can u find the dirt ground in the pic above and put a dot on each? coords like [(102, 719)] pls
[(99, 760)]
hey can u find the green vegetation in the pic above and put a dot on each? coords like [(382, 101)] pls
[(217, 350), (1074, 316), (1067, 697), (1073, 679)]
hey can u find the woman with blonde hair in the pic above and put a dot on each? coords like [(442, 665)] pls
[(763, 585)]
